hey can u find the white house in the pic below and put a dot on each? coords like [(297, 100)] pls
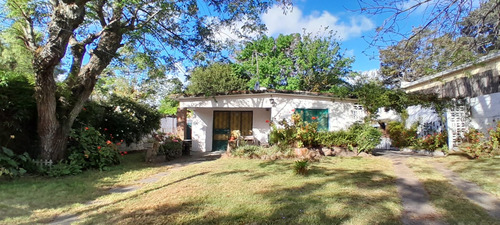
[(478, 83), (250, 112)]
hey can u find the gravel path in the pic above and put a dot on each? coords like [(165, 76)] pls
[(414, 197)]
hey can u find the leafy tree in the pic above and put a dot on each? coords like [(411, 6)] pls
[(421, 56), (214, 79), (483, 27), (158, 32), (295, 62)]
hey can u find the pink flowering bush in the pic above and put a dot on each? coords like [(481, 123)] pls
[(477, 145), (171, 147)]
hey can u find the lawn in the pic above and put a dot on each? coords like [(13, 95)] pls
[(484, 172), (40, 199), (225, 191), (448, 200)]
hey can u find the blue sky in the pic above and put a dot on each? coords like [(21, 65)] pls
[(353, 29)]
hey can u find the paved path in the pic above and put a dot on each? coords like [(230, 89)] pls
[(473, 192), (415, 200), (196, 157)]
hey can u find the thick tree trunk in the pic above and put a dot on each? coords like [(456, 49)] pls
[(66, 17)]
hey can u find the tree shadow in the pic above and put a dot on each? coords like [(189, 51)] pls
[(454, 206)]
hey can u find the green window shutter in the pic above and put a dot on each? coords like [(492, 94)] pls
[(315, 115)]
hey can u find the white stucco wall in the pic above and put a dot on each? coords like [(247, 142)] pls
[(342, 113), (485, 111), (421, 114)]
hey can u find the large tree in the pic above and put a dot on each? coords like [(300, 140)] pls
[(295, 62), (94, 30)]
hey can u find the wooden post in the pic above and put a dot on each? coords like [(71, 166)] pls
[(181, 123)]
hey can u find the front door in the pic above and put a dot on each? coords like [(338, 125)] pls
[(226, 122)]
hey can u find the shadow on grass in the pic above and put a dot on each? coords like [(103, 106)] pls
[(309, 202), (138, 194), (454, 206), (24, 196)]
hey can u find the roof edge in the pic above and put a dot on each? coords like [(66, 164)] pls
[(482, 59)]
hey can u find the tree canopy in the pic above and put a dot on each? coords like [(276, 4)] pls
[(90, 33), (214, 79), (427, 51), (295, 62)]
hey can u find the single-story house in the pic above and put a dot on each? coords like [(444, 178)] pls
[(478, 83), (213, 119)]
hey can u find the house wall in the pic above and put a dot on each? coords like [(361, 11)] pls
[(485, 111), (469, 80), (201, 129), (342, 113)]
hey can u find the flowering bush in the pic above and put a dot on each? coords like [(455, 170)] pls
[(432, 142), (90, 149), (295, 134), (477, 146), (171, 147)]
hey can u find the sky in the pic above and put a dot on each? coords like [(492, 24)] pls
[(353, 29)]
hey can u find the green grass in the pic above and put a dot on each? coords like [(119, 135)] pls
[(242, 191), (225, 191), (448, 200), (40, 199), (484, 172)]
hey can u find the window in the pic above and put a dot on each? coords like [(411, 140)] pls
[(315, 115)]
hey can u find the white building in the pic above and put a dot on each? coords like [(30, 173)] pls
[(477, 83), (214, 118)]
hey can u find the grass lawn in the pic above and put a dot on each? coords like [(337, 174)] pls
[(446, 198), (40, 199), (225, 191), (484, 172), (241, 191)]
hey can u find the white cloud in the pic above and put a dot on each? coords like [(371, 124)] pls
[(232, 33), (296, 22)]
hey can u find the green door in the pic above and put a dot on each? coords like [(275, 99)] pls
[(227, 121)]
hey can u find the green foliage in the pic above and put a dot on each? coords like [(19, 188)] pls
[(13, 165), (119, 118), (301, 166), (214, 79), (422, 55), (433, 142), (268, 153), (339, 138), (400, 136), (17, 113), (172, 147), (295, 62), (295, 134), (478, 146), (168, 107), (89, 149), (367, 137)]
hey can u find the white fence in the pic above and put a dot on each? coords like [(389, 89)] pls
[(168, 125)]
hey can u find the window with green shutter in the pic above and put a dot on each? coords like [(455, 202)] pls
[(315, 115)]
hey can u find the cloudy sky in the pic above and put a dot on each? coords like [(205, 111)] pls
[(353, 29)]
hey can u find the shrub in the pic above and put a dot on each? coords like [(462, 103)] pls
[(400, 136), (88, 148), (432, 142), (301, 166), (172, 148), (13, 165), (367, 138), (18, 114), (295, 134), (339, 138), (119, 118), (477, 146)]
